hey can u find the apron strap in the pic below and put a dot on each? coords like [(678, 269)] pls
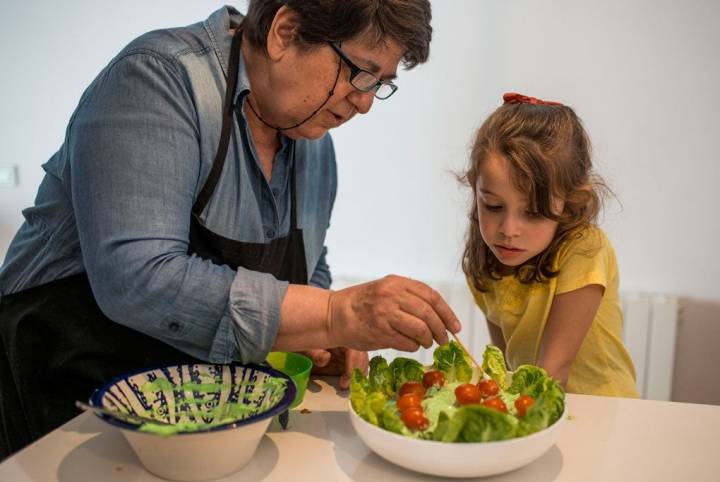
[(227, 123), (219, 162), (293, 202)]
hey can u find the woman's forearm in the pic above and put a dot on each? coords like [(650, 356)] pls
[(304, 319)]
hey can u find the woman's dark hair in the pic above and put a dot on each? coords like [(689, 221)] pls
[(549, 156), (405, 21)]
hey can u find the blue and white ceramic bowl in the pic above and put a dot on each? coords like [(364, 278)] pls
[(218, 415)]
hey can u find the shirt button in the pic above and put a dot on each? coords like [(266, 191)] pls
[(174, 326), (270, 233)]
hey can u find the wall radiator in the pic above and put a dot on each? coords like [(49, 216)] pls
[(649, 334)]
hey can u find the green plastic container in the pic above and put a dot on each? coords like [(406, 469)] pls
[(294, 365)]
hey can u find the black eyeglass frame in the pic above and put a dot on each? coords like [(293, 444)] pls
[(355, 71)]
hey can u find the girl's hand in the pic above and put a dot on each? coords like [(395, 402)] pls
[(338, 361)]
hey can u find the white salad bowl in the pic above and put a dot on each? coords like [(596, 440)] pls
[(212, 442), (444, 459)]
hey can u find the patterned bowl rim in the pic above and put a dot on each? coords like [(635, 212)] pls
[(281, 406)]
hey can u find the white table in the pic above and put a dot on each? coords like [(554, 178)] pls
[(606, 439)]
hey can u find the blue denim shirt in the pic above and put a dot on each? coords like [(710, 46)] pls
[(116, 200)]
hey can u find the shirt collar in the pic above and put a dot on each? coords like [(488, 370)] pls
[(218, 28)]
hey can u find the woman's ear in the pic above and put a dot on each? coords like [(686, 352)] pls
[(282, 33)]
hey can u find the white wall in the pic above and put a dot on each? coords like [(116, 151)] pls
[(643, 75), (49, 53)]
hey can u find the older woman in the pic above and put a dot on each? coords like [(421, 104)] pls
[(184, 217)]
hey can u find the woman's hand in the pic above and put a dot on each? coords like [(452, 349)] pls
[(393, 312), (338, 361)]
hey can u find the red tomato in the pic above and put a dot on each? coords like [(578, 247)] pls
[(488, 387), (467, 393), (414, 418), (412, 387), (433, 378), (409, 400), (496, 403), (523, 403)]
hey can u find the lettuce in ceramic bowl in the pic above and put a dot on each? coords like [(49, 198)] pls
[(452, 421), (211, 418)]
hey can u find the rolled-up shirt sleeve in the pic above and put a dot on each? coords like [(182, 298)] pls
[(255, 300), (135, 162)]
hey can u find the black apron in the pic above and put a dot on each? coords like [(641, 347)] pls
[(57, 345)]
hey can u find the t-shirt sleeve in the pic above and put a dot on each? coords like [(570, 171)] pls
[(586, 261)]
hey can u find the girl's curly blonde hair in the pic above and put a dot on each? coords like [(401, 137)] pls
[(549, 156)]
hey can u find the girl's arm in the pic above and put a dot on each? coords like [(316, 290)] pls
[(496, 336), (570, 318)]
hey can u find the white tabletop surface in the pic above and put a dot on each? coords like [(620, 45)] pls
[(605, 439)]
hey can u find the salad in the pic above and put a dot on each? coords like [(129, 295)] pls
[(198, 406), (446, 403)]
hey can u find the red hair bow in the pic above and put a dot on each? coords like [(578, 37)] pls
[(515, 98)]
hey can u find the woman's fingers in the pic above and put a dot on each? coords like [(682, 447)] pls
[(434, 329), (440, 308), (364, 363), (353, 359), (413, 327), (393, 312), (320, 358), (401, 341)]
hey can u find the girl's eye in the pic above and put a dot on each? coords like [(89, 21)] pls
[(492, 207), (534, 215)]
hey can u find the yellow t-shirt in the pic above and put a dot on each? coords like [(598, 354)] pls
[(603, 365)]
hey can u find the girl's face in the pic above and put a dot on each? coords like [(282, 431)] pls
[(512, 233)]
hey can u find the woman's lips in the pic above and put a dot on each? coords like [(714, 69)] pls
[(339, 119), (336, 119)]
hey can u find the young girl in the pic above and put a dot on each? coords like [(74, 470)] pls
[(539, 267)]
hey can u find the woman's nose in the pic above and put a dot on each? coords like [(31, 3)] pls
[(362, 101)]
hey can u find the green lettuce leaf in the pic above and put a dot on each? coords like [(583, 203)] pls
[(442, 427), (438, 401), (525, 378), (453, 361), (373, 408), (391, 418), (359, 388), (380, 376), (405, 370), (475, 423), (494, 365), (545, 411), (366, 402), (548, 394)]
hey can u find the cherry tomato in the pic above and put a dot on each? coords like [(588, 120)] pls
[(496, 403), (433, 378), (488, 388), (414, 418), (412, 387), (467, 393), (523, 403), (409, 400)]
